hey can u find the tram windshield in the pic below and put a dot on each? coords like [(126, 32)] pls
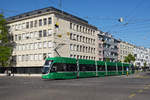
[(47, 66)]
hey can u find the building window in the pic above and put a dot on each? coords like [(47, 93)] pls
[(27, 24), (45, 44), (44, 33), (23, 47), (83, 48), (40, 33), (83, 39), (27, 57), (86, 49), (35, 57), (20, 47), (80, 38), (70, 25), (28, 36), (27, 46), (31, 46), (71, 46), (16, 37), (40, 45), (49, 20), (40, 57), (19, 58), (31, 57), (23, 26), (44, 56), (36, 45), (45, 21), (80, 48), (77, 47), (77, 37), (74, 36), (50, 32), (31, 24), (36, 34), (31, 35), (35, 23), (40, 22), (77, 27), (50, 44), (71, 36), (80, 28), (23, 57)]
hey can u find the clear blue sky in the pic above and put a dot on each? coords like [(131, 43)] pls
[(104, 14)]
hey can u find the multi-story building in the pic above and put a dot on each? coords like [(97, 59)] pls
[(100, 46), (141, 55), (50, 32), (108, 47), (124, 49), (148, 60)]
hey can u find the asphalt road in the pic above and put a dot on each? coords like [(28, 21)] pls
[(133, 87)]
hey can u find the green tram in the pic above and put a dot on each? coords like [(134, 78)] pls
[(71, 68)]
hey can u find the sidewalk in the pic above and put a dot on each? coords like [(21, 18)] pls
[(23, 75), (135, 75)]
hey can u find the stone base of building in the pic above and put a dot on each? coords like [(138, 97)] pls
[(21, 70)]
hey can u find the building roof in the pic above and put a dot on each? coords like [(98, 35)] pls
[(44, 11)]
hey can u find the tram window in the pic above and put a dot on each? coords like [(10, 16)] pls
[(91, 68), (86, 67), (71, 67), (125, 68), (59, 67), (65, 67), (120, 68), (111, 68), (82, 67), (101, 68)]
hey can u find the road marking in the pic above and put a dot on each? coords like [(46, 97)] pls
[(132, 95), (140, 91)]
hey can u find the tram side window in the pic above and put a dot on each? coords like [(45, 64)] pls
[(86, 67), (65, 67), (101, 68), (120, 68), (111, 68), (82, 67), (125, 68), (71, 67), (91, 67)]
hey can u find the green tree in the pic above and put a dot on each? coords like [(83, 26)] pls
[(5, 43), (129, 58), (145, 64), (108, 59)]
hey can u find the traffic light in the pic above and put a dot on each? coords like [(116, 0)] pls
[(68, 33), (59, 35), (57, 25)]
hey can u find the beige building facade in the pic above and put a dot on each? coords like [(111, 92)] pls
[(50, 32), (124, 49)]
